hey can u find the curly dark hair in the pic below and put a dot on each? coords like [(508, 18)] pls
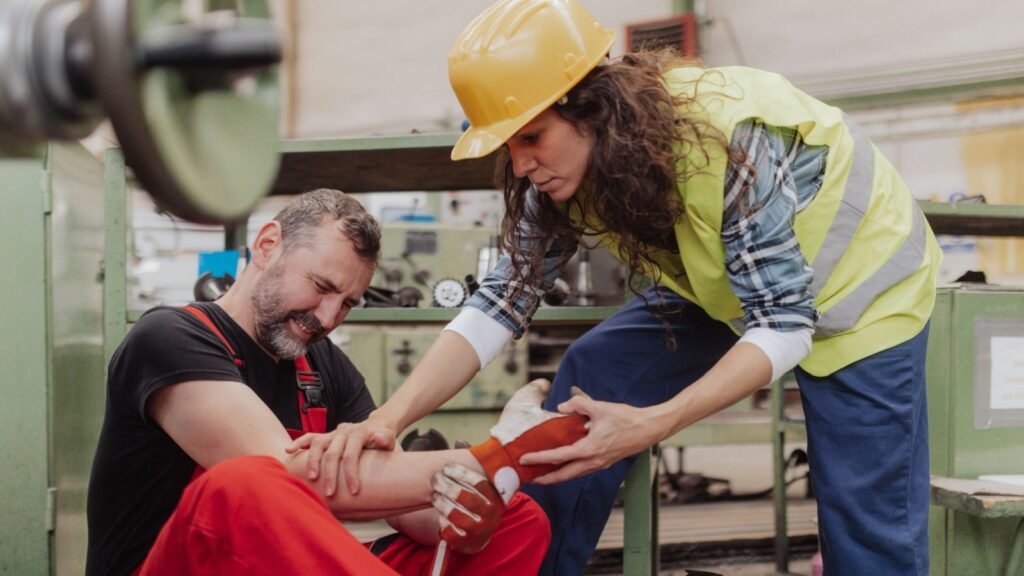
[(641, 132)]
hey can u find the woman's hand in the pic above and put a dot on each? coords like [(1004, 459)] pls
[(617, 431), (341, 448), (525, 427)]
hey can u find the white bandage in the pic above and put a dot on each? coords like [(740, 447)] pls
[(783, 349), (486, 335)]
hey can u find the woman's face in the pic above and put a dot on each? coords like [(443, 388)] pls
[(552, 153)]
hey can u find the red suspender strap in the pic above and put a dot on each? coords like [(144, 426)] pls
[(311, 397), (312, 409), (198, 313)]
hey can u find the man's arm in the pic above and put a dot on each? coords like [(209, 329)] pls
[(216, 421), (422, 526), (394, 482)]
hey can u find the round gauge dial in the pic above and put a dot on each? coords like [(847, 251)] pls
[(449, 293)]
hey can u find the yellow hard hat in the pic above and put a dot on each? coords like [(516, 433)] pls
[(514, 61)]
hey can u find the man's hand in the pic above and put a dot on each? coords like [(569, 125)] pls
[(343, 447), (469, 505), (525, 427)]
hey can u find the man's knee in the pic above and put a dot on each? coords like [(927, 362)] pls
[(526, 520), (246, 477)]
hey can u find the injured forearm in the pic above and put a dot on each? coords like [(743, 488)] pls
[(391, 483)]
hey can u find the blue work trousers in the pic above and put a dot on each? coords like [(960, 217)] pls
[(867, 437)]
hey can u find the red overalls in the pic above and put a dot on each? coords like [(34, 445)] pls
[(250, 516)]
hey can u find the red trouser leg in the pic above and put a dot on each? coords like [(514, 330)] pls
[(250, 516), (516, 549)]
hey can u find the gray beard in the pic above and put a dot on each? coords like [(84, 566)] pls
[(280, 341), (271, 321)]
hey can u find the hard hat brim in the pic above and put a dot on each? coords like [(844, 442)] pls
[(477, 143)]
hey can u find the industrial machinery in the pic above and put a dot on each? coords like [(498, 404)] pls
[(184, 84), (435, 259), (440, 261), (446, 262), (54, 349), (386, 356), (976, 417)]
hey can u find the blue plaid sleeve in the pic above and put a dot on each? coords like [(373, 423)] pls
[(766, 269), (492, 297)]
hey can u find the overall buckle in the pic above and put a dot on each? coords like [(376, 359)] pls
[(312, 387)]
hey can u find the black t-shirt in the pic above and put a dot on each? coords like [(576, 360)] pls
[(139, 473)]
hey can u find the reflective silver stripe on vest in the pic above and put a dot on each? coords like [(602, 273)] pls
[(852, 207), (907, 259), (854, 204), (738, 325)]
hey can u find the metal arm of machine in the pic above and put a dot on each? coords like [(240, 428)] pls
[(177, 88)]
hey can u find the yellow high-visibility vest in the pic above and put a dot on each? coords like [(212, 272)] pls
[(873, 254)]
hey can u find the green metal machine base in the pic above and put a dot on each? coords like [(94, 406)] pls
[(970, 435), (51, 348)]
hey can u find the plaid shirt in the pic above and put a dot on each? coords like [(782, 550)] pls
[(766, 270)]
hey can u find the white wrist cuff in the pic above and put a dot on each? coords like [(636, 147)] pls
[(486, 335), (783, 349)]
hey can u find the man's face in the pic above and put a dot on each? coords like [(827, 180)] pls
[(307, 291)]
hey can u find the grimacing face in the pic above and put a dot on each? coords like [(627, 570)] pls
[(273, 317), (553, 153), (307, 291)]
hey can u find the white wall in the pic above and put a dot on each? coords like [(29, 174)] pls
[(811, 40), (381, 67)]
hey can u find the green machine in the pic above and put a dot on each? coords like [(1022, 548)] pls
[(976, 412), (181, 85), (184, 85), (386, 354), (435, 260), (51, 348)]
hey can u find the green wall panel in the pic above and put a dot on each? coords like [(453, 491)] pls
[(51, 347), (961, 543), (77, 235), (24, 539)]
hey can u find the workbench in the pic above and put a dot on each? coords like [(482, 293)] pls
[(986, 502)]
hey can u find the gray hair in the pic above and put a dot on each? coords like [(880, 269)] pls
[(305, 213)]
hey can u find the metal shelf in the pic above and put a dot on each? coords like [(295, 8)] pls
[(559, 315), (422, 162), (969, 219), (545, 316), (727, 427), (381, 164)]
